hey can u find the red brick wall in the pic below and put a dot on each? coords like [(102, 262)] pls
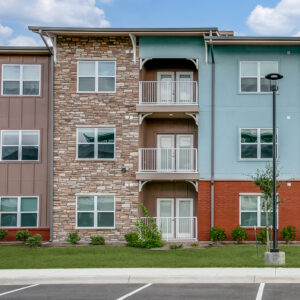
[(44, 232), (227, 206)]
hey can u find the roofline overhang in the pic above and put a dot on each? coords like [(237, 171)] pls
[(24, 50)]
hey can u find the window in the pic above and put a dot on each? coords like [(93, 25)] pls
[(18, 211), (96, 143), (20, 145), (95, 211), (252, 212), (257, 143), (97, 76), (21, 80), (252, 76)]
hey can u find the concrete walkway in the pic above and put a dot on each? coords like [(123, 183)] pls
[(155, 275)]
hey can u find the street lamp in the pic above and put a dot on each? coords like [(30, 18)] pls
[(274, 77)]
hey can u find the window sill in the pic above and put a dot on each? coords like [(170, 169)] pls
[(255, 159), (112, 92), (94, 159), (21, 161), (96, 228)]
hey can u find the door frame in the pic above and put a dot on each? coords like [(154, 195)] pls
[(171, 235), (159, 88), (178, 235)]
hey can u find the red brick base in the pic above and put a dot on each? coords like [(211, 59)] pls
[(44, 232), (226, 212)]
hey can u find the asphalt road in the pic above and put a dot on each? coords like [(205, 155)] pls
[(152, 291)]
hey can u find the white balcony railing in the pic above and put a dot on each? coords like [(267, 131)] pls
[(168, 92), (168, 160), (175, 228)]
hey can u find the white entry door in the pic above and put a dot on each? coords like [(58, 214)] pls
[(165, 152), (165, 214), (165, 87), (184, 87), (184, 220), (185, 152)]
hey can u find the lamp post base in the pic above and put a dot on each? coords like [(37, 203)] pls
[(274, 258)]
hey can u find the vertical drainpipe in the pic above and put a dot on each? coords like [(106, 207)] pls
[(212, 161)]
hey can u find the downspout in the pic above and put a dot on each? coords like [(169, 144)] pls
[(50, 137), (212, 161)]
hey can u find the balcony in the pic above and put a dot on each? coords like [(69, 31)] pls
[(175, 228), (168, 96), (167, 164)]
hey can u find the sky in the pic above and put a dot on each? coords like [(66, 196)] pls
[(245, 17)]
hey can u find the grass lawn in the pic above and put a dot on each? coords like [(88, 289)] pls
[(22, 257)]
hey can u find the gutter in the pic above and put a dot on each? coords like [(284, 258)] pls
[(212, 159)]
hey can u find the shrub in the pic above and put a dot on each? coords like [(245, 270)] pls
[(3, 234), (217, 234), (147, 234), (34, 241), (73, 237), (288, 233), (22, 235), (195, 245), (97, 240), (239, 234), (175, 247), (262, 235)]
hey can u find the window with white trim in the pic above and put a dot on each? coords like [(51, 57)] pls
[(96, 76), (257, 143), (18, 211), (21, 80), (252, 212), (96, 143), (97, 211), (252, 76), (20, 145)]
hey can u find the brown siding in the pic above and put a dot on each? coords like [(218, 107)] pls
[(27, 113)]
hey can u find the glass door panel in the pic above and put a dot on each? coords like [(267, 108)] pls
[(184, 214), (185, 152), (184, 90), (165, 87), (165, 213), (165, 152)]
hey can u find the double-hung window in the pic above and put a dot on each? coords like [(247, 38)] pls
[(96, 143), (257, 143), (252, 76), (21, 80), (253, 211), (18, 211), (97, 76), (20, 145), (97, 211)]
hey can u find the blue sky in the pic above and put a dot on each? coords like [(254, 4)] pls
[(248, 17)]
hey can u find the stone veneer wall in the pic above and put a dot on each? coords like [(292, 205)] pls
[(71, 109)]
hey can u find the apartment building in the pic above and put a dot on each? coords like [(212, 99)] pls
[(176, 119), (25, 141)]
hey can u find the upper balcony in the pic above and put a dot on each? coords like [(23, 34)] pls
[(168, 86)]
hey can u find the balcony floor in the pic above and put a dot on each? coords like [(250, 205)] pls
[(166, 108), (166, 176)]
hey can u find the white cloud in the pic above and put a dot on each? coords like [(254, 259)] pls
[(83, 13), (284, 18), (5, 31), (23, 40), (105, 1)]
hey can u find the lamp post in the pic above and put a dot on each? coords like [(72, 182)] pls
[(274, 77)]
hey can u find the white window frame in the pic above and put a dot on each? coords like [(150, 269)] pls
[(20, 145), (258, 76), (95, 211), (96, 143), (258, 211), (21, 80), (258, 144), (96, 77), (19, 212)]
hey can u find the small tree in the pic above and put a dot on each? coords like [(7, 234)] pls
[(264, 180)]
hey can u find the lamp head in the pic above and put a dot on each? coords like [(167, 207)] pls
[(274, 77)]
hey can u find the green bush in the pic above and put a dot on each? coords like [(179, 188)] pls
[(239, 234), (262, 235), (3, 234), (97, 240), (175, 247), (288, 233), (34, 241), (194, 245), (146, 235), (217, 234), (73, 237), (22, 235)]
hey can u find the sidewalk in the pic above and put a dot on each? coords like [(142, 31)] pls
[(155, 275)]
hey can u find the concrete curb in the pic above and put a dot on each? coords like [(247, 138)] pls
[(155, 275)]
